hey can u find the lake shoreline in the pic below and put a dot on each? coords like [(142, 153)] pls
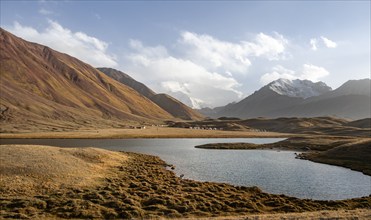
[(348, 152), (150, 132), (142, 187)]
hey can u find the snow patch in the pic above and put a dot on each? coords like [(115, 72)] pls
[(298, 88)]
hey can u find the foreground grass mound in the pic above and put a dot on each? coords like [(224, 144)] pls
[(131, 185)]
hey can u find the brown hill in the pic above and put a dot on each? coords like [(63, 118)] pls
[(166, 102), (175, 107), (295, 125), (362, 123), (316, 125), (46, 88), (355, 155)]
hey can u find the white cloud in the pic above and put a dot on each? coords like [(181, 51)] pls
[(197, 103), (308, 71), (313, 43), (267, 46), (150, 52), (166, 73), (44, 11), (329, 43), (313, 73), (214, 54), (80, 45), (277, 73), (174, 86), (228, 57), (204, 68)]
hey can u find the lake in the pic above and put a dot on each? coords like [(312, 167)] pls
[(273, 171)]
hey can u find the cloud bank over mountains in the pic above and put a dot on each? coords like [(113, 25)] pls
[(308, 71), (201, 68), (205, 68)]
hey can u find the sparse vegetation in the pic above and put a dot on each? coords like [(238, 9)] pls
[(141, 187), (149, 132), (304, 126)]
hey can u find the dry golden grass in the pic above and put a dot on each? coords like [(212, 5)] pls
[(32, 169), (149, 132), (310, 126), (358, 214), (355, 155), (43, 84)]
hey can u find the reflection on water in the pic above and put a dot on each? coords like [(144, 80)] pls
[(272, 171)]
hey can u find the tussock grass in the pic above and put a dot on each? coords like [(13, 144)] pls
[(141, 187)]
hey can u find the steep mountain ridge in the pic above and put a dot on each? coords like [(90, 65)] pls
[(261, 103), (354, 87), (282, 99), (351, 100), (40, 84), (127, 80), (171, 105), (359, 87)]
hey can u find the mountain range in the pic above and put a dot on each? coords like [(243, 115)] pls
[(41, 86), (176, 108), (301, 98), (44, 89)]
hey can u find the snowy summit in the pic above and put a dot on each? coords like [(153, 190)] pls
[(298, 88)]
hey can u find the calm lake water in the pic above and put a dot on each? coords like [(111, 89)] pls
[(273, 171)]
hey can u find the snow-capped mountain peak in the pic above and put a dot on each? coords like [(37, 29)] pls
[(298, 88)]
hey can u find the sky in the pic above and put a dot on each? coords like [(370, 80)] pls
[(205, 53)]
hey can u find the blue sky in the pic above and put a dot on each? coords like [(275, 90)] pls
[(203, 52)]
